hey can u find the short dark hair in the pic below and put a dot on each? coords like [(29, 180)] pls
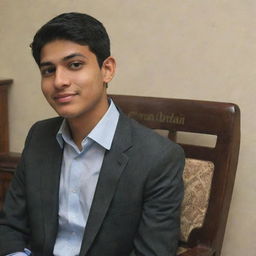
[(77, 27)]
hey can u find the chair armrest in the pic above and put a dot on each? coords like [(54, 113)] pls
[(198, 251)]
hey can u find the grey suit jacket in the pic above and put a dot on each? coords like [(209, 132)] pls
[(136, 206)]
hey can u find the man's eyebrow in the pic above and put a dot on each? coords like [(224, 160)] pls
[(72, 56), (48, 63)]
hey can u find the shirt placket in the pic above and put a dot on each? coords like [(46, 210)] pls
[(75, 215)]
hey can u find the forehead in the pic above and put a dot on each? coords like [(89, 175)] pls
[(59, 49)]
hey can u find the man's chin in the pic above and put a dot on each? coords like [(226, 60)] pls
[(66, 115)]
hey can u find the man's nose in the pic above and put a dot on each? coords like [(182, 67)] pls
[(61, 78)]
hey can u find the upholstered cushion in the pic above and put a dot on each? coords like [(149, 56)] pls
[(197, 181)]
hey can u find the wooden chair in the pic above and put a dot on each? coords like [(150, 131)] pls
[(220, 161), (222, 120)]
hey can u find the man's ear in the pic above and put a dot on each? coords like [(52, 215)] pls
[(108, 69)]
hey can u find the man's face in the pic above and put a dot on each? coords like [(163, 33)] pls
[(72, 81)]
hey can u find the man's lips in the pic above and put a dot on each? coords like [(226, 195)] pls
[(64, 97)]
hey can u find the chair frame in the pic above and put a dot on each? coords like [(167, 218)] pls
[(205, 117)]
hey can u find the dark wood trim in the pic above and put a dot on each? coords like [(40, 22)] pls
[(6, 81), (4, 122), (9, 161)]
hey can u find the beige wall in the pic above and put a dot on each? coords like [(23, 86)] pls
[(199, 49)]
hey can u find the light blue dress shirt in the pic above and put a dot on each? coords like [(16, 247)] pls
[(79, 175)]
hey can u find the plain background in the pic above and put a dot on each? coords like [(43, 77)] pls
[(195, 49)]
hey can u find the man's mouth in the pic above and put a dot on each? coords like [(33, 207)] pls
[(64, 97)]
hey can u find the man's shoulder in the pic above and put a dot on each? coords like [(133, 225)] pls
[(47, 126), (49, 122), (150, 140)]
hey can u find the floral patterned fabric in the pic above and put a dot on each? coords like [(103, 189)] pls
[(197, 181), (180, 250)]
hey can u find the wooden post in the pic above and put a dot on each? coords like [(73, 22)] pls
[(4, 122)]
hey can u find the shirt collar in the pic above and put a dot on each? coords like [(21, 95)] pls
[(102, 133)]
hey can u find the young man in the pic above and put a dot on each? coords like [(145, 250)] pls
[(91, 182)]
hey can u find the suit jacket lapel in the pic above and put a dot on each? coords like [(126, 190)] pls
[(114, 163), (50, 176)]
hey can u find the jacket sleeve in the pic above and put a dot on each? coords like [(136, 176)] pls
[(159, 228), (14, 228)]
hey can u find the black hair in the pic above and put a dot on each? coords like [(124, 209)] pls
[(76, 27)]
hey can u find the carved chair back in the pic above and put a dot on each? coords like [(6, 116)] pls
[(175, 118), (183, 120)]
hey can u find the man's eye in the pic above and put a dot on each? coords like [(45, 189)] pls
[(75, 65), (47, 71)]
